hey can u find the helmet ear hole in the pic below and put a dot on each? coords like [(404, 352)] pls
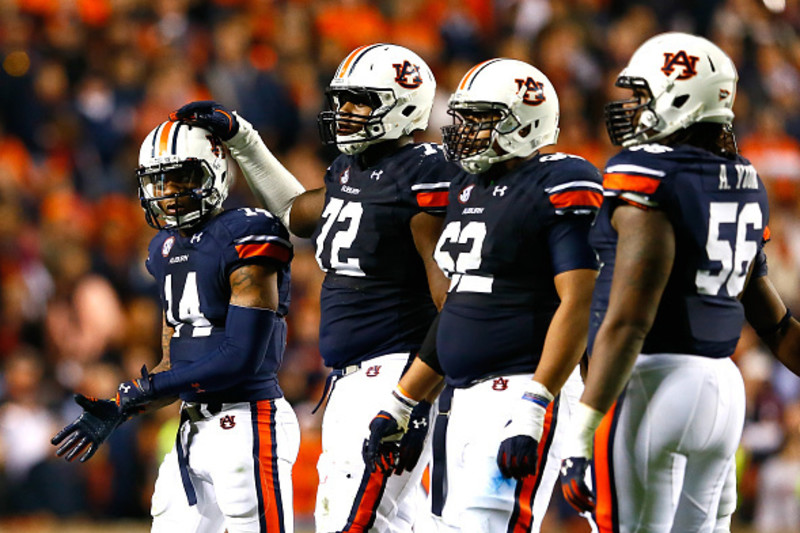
[(408, 110), (524, 132), (680, 100)]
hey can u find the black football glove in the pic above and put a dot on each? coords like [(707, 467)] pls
[(573, 484), (133, 395), (413, 441), (87, 432), (209, 115), (380, 450), (517, 456), (519, 449)]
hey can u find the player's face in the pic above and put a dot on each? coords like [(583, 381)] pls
[(354, 109), (639, 98), (177, 185)]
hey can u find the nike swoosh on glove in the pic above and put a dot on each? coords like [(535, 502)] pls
[(87, 432), (209, 115), (573, 484)]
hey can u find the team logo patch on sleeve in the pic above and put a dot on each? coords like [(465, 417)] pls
[(166, 248)]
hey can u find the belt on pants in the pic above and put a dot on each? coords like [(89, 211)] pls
[(330, 382), (193, 412), (439, 449)]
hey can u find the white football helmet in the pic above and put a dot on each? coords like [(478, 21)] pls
[(689, 79), (197, 156), (394, 81), (523, 102)]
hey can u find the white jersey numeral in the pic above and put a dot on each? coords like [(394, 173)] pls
[(468, 259), (736, 259), (338, 210), (188, 308)]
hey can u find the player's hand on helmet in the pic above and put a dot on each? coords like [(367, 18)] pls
[(518, 453), (574, 486), (87, 432), (133, 395), (413, 441), (209, 115), (380, 449)]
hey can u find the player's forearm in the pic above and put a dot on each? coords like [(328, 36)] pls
[(272, 184), (420, 381), (563, 346), (614, 353), (248, 332)]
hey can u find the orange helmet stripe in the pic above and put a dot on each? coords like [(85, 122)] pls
[(349, 59), (163, 137), (469, 74)]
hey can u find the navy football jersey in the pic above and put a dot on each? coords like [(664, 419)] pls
[(375, 298), (718, 210), (502, 245), (193, 277)]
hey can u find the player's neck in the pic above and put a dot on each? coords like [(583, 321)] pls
[(375, 152)]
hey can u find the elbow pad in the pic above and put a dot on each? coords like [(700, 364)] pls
[(248, 331), (273, 186)]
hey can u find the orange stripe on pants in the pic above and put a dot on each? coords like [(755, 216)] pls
[(522, 519), (270, 503), (362, 516), (605, 507)]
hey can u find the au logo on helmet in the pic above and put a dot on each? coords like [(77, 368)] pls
[(681, 59), (534, 91), (408, 75)]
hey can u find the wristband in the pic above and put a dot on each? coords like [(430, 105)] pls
[(400, 407), (584, 422)]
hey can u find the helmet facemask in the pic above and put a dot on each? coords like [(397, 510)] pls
[(366, 129), (463, 140), (628, 118), (193, 179)]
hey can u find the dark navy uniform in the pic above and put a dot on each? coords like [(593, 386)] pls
[(193, 276), (376, 308), (375, 297), (502, 245), (718, 210)]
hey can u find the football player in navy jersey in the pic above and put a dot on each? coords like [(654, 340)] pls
[(224, 288), (374, 226), (679, 235), (514, 326)]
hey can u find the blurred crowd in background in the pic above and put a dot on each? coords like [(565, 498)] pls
[(81, 84)]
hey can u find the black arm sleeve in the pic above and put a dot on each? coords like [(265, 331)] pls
[(427, 352)]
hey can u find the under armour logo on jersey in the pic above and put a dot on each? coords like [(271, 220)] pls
[(376, 175), (500, 384), (681, 59), (124, 388), (534, 91), (421, 423), (344, 177), (227, 422), (407, 75), (373, 371), (499, 191), (196, 238)]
